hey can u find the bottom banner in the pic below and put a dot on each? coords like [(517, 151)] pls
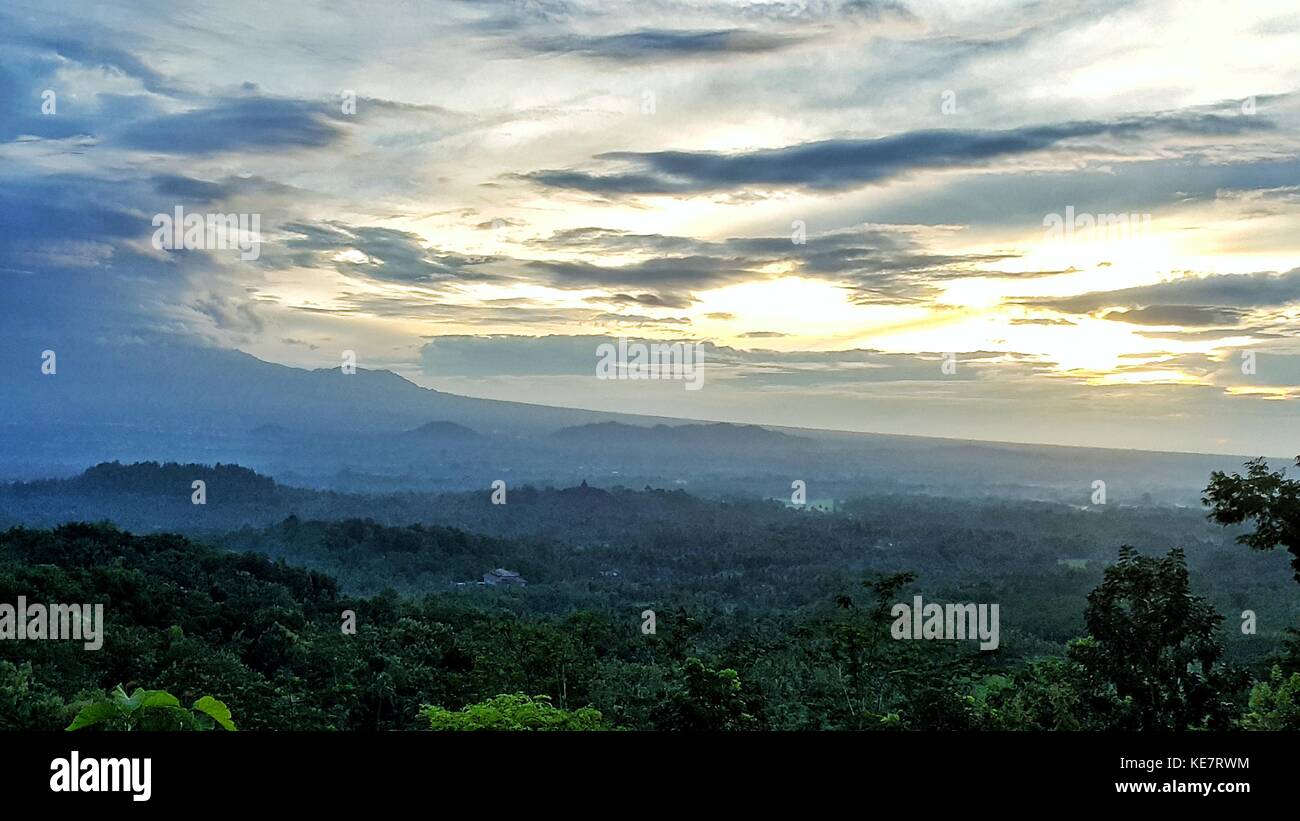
[(139, 772)]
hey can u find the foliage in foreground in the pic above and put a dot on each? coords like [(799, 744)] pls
[(265, 638), (1274, 704), (152, 710), (514, 712)]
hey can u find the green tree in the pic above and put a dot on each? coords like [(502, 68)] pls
[(1042, 695), (865, 662), (1271, 502), (701, 698), (1152, 658), (25, 702), (1274, 704), (512, 713), (1267, 499)]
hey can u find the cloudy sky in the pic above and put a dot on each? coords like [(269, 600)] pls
[(1090, 210)]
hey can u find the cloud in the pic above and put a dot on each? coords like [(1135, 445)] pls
[(230, 314), (1258, 290), (696, 272), (653, 45), (1042, 321), (512, 355), (646, 300), (841, 164), (97, 52), (633, 33), (638, 320), (376, 253), (75, 262), (432, 308), (369, 218), (878, 263), (251, 123), (1179, 315)]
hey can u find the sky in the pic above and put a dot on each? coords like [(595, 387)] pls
[(1073, 223)]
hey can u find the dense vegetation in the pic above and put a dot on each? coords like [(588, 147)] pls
[(765, 617)]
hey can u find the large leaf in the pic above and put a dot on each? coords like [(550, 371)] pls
[(167, 718), (96, 713), (156, 698), (118, 698), (219, 712), (126, 705)]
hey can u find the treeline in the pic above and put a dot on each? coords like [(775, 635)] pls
[(734, 561), (270, 641), (659, 610), (154, 479)]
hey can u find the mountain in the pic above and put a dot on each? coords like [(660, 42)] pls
[(178, 387), (374, 430), (140, 402)]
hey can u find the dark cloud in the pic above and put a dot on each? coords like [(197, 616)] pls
[(95, 52), (40, 212), (591, 239), (75, 263), (432, 308), (639, 320), (1183, 315), (1259, 290), (1021, 200), (695, 272), (210, 191), (879, 264), (652, 45), (188, 188), (833, 165), (646, 300), (701, 30), (236, 124), (390, 254), (1216, 334)]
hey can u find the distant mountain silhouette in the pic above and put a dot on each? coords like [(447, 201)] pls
[(184, 388), (328, 429), (169, 479)]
